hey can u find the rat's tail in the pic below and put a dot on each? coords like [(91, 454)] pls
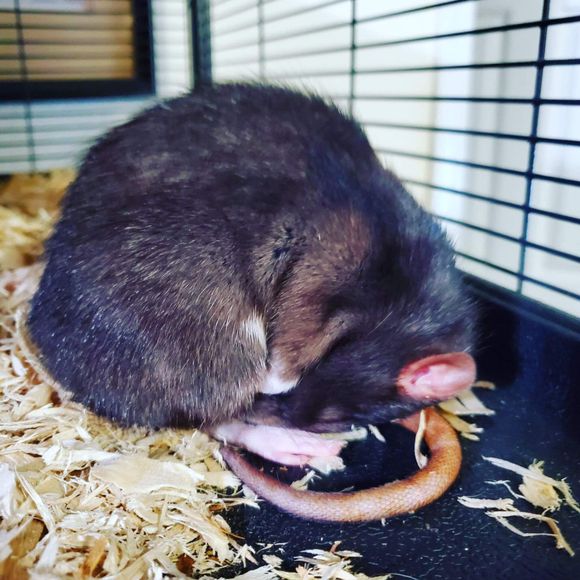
[(392, 499)]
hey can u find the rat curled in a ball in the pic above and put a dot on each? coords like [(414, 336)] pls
[(239, 260)]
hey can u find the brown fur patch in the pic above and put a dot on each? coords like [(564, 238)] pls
[(335, 250)]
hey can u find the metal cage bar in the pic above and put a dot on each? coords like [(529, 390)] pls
[(533, 135), (201, 41), (26, 86)]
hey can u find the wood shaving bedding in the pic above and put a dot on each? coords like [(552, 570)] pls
[(303, 482), (333, 564), (465, 428), (327, 465), (28, 209), (420, 457), (355, 434), (540, 493), (466, 403), (377, 434), (535, 482), (503, 509), (537, 489)]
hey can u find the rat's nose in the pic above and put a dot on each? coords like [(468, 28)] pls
[(266, 411)]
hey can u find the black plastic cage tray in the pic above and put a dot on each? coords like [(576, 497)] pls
[(532, 354)]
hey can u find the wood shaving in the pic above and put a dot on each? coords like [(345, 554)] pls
[(327, 465), (484, 504), (274, 561), (464, 428), (251, 495), (539, 493), (466, 403), (34, 192), (504, 509), (420, 457), (138, 474), (561, 543), (355, 434), (303, 482), (7, 491), (14, 554), (507, 485), (374, 430), (484, 385), (315, 564), (535, 473)]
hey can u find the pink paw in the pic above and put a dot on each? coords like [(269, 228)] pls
[(287, 446)]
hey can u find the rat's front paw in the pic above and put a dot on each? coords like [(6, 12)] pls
[(288, 446)]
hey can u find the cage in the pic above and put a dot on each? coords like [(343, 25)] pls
[(473, 103)]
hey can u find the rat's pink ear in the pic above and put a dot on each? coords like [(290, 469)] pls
[(437, 377)]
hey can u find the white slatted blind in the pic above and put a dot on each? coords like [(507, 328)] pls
[(79, 40), (43, 135)]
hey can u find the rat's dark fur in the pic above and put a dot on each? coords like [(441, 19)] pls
[(243, 202)]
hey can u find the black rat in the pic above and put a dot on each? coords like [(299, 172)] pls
[(239, 260)]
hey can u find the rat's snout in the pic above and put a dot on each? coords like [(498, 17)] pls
[(438, 376), (267, 410), (296, 412)]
